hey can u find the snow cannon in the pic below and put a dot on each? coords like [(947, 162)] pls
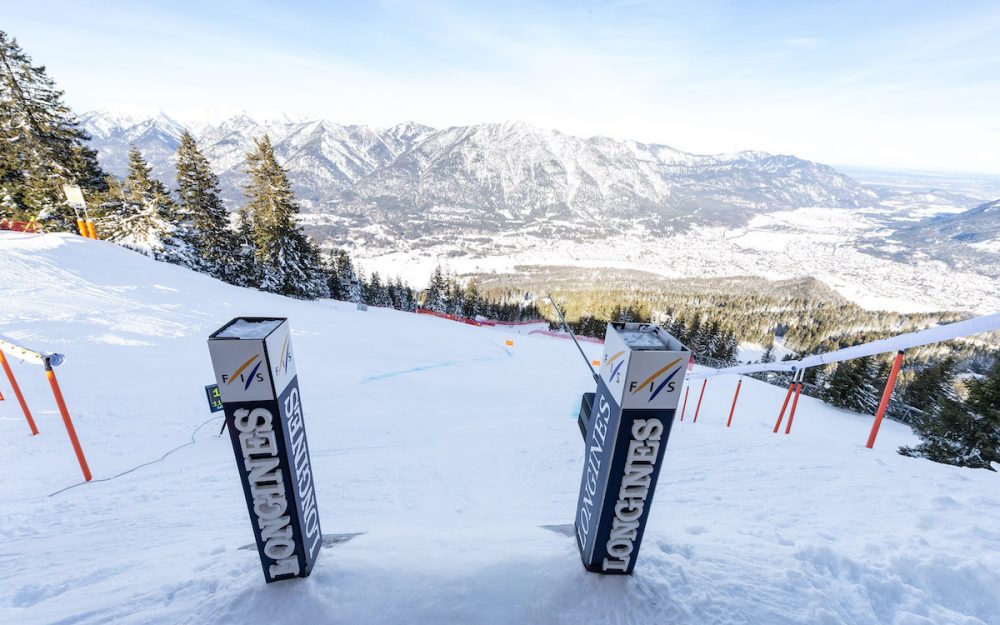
[(625, 424), (255, 371)]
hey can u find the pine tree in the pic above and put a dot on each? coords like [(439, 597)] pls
[(874, 374), (713, 341), (141, 220), (333, 284), (944, 435), (963, 433), (41, 144), (454, 298), (435, 296), (855, 385), (841, 384), (392, 292), (214, 242), (363, 286), (246, 256), (768, 355), (408, 300), (679, 330), (926, 390), (983, 404), (350, 283), (472, 304), (286, 261), (730, 350), (376, 292), (695, 336)]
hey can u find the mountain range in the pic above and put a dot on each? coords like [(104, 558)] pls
[(508, 190), (411, 180), (967, 241)]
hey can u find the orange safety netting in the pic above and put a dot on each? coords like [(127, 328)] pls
[(19, 226)]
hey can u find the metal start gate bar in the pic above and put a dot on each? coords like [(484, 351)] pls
[(625, 425), (255, 370)]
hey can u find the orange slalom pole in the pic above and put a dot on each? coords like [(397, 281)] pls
[(698, 407), (795, 402), (687, 389), (735, 397), (886, 396), (50, 374), (91, 230), (17, 393), (781, 415), (82, 227)]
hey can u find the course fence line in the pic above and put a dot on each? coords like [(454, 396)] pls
[(898, 344), (901, 342), (563, 335)]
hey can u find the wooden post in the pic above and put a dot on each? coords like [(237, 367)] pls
[(698, 407), (886, 396), (50, 374), (687, 389), (781, 415), (735, 396), (17, 393)]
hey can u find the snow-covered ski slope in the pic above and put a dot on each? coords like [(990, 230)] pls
[(447, 452)]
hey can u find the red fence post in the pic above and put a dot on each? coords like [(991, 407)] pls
[(781, 415), (687, 389), (886, 396), (795, 402), (698, 407), (50, 374), (735, 396), (17, 393)]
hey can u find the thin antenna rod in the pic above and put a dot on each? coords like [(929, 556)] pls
[(572, 336)]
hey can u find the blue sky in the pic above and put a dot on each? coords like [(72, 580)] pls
[(888, 84)]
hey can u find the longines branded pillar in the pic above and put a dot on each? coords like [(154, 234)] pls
[(626, 433), (255, 370)]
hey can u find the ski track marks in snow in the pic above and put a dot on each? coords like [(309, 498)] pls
[(447, 457)]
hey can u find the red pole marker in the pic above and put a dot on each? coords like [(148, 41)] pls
[(886, 396), (686, 391), (17, 393), (795, 402), (735, 396), (698, 407), (50, 374), (781, 415)]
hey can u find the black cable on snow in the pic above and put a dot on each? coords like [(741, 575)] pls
[(144, 464)]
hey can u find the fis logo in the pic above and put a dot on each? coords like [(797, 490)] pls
[(651, 385), (286, 358), (609, 362), (249, 378)]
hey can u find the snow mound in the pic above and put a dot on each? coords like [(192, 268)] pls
[(448, 464)]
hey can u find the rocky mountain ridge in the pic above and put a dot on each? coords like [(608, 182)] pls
[(413, 181)]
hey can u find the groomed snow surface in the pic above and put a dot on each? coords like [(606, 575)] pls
[(447, 451)]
